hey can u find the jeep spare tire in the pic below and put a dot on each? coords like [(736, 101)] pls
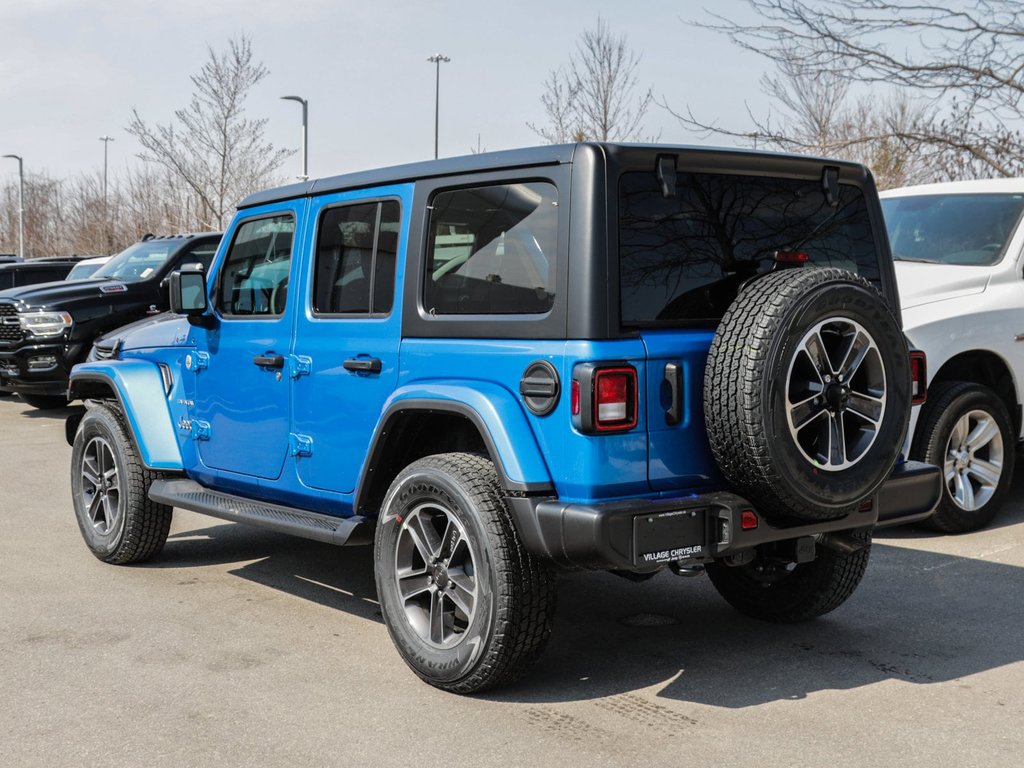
[(807, 393)]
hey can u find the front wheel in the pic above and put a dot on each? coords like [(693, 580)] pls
[(467, 607), (773, 589), (966, 430), (110, 491)]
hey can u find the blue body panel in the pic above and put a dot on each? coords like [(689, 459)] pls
[(679, 454), (139, 386), (302, 435)]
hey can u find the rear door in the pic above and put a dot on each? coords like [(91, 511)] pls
[(348, 335), (685, 254)]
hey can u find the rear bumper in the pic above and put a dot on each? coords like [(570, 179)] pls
[(609, 535)]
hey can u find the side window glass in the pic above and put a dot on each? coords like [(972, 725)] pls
[(254, 278), (492, 250), (357, 246)]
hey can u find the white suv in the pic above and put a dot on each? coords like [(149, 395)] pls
[(959, 254)]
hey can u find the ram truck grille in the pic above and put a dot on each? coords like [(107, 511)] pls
[(10, 328)]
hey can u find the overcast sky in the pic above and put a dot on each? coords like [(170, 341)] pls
[(72, 70)]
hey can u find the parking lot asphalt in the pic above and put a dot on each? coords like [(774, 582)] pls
[(240, 647)]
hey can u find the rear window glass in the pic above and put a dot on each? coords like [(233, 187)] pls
[(492, 250), (684, 258), (952, 229)]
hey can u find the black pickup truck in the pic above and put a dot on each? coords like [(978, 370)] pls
[(46, 329)]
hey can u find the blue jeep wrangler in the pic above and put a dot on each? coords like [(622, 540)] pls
[(630, 358)]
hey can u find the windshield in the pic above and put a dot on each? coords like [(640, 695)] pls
[(138, 262), (970, 229)]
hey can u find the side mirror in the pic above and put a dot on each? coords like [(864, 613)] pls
[(187, 292)]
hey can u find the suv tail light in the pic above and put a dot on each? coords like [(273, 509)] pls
[(918, 377), (604, 397)]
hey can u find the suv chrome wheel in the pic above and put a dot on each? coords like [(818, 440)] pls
[(436, 575), (835, 394), (974, 460)]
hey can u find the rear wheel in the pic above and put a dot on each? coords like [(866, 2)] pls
[(806, 393), (774, 589), (965, 429), (110, 492), (466, 606), (45, 402)]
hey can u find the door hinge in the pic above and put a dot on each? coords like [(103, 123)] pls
[(300, 445), (299, 365), (197, 361), (200, 430)]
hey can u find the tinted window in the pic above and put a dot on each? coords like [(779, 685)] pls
[(197, 254), (952, 229), (685, 257), (138, 262), (254, 277), (492, 250), (357, 246)]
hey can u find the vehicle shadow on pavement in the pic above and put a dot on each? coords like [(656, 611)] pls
[(340, 578), (918, 617), (56, 414)]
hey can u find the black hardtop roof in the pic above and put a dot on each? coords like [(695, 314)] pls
[(552, 154)]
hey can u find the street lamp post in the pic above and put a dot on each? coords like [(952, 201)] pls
[(305, 133), (21, 205), (106, 141), (106, 210), (436, 59)]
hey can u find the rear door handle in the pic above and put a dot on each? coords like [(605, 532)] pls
[(363, 364), (674, 377), (269, 361)]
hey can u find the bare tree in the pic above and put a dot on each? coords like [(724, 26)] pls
[(593, 98), (961, 63), (815, 114), (211, 148)]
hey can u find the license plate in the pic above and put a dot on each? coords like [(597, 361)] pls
[(668, 536)]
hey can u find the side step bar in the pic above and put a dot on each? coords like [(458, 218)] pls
[(190, 495)]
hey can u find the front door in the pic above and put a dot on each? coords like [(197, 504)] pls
[(242, 398)]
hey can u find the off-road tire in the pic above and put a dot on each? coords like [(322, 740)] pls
[(948, 403), (45, 402), (799, 592), (119, 522), (515, 593), (756, 351)]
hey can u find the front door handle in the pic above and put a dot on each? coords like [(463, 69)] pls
[(363, 364), (269, 361)]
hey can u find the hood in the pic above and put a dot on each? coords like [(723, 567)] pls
[(163, 330), (63, 293), (925, 283)]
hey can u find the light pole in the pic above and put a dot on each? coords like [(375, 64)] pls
[(106, 210), (305, 133), (106, 140), (21, 205), (436, 59)]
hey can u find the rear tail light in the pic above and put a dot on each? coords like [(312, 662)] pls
[(615, 398), (918, 377), (605, 397)]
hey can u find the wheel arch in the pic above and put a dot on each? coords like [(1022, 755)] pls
[(138, 387), (984, 367), (416, 426)]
